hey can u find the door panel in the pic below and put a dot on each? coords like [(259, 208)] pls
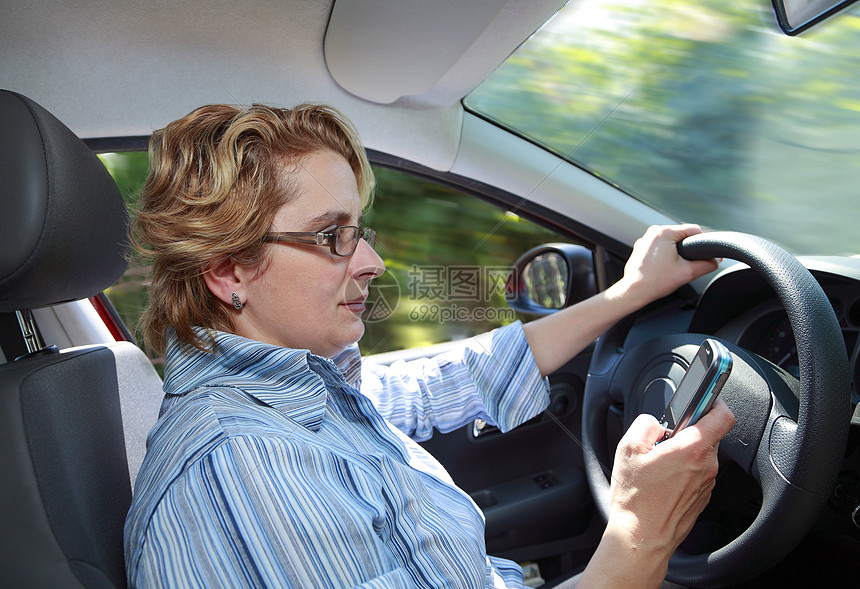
[(529, 482)]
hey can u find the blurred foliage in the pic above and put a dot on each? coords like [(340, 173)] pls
[(129, 171), (700, 108), (129, 295), (444, 251)]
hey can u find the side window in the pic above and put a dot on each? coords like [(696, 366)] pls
[(129, 295), (447, 256)]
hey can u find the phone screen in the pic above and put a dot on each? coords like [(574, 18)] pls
[(698, 388), (685, 393)]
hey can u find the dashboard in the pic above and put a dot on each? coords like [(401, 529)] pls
[(768, 334), (740, 307)]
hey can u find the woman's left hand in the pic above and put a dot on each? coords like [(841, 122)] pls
[(656, 269)]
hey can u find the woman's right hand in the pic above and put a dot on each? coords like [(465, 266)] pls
[(656, 494)]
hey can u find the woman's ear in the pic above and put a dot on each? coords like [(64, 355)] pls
[(224, 279)]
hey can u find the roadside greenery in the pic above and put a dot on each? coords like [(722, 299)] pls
[(700, 108)]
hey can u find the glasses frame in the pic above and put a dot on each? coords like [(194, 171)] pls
[(327, 238)]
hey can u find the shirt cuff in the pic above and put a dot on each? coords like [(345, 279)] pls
[(507, 377)]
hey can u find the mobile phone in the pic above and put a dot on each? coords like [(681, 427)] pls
[(698, 388)]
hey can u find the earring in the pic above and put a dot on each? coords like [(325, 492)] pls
[(237, 302)]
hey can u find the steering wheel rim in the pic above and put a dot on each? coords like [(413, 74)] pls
[(795, 478)]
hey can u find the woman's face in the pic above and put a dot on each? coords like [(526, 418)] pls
[(306, 297)]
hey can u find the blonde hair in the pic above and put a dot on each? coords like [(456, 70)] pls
[(215, 184)]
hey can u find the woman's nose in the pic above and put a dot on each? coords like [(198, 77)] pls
[(366, 262)]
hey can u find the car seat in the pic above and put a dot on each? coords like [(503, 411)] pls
[(65, 486)]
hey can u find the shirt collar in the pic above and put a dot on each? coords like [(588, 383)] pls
[(294, 382), (349, 364)]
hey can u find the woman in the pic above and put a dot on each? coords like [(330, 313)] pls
[(267, 466)]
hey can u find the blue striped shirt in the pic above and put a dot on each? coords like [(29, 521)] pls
[(268, 468)]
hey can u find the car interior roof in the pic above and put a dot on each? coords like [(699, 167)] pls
[(118, 69)]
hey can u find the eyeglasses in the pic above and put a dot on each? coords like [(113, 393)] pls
[(342, 241)]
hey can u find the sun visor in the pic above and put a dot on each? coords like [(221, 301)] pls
[(382, 50)]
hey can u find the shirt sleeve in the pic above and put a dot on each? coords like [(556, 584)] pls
[(234, 520), (492, 377)]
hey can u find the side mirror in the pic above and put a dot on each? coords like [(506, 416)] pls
[(550, 277)]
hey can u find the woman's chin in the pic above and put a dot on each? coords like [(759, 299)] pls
[(357, 331), (350, 335)]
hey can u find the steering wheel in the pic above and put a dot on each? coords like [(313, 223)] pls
[(792, 450)]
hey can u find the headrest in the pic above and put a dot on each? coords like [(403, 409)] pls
[(63, 222)]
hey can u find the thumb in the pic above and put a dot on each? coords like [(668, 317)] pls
[(716, 423), (643, 432)]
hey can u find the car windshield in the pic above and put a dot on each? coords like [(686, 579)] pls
[(700, 108)]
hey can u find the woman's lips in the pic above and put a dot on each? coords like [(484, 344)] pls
[(356, 305)]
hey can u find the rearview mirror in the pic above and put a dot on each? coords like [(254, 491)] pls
[(795, 16), (551, 277)]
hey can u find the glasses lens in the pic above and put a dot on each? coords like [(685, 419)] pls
[(369, 235), (347, 239)]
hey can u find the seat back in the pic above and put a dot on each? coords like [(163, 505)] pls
[(140, 397), (64, 487), (64, 479)]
